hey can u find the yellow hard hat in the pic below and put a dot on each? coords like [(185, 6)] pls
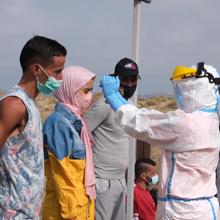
[(181, 72)]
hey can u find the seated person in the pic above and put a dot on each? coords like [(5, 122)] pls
[(145, 175)]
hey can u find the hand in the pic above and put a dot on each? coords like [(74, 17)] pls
[(110, 85), (153, 187)]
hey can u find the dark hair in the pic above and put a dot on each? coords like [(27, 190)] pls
[(40, 49), (140, 165)]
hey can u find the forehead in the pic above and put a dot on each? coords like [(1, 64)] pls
[(129, 78), (150, 168), (89, 84)]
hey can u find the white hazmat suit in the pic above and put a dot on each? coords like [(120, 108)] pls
[(189, 138)]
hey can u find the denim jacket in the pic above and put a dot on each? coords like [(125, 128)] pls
[(61, 133)]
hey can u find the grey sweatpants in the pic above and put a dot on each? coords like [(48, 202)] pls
[(110, 199)]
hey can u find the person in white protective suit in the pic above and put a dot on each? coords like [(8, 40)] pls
[(189, 138)]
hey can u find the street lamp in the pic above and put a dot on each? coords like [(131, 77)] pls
[(132, 144)]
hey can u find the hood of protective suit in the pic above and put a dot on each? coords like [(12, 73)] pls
[(192, 93)]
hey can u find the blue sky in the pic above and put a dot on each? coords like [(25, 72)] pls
[(98, 33)]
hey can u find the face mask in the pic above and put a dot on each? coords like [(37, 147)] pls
[(128, 91), (83, 100), (154, 180), (50, 86), (179, 97)]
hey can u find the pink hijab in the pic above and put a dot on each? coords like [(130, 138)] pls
[(74, 78)]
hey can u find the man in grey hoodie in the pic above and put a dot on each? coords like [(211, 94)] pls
[(111, 147)]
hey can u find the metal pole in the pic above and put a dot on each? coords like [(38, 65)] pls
[(132, 144)]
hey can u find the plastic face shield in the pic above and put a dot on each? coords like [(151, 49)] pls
[(180, 73)]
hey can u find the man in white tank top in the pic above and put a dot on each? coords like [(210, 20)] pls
[(21, 144)]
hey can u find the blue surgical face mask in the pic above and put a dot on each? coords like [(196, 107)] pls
[(154, 180), (50, 86)]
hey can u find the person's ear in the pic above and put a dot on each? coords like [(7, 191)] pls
[(143, 176), (121, 89), (35, 69)]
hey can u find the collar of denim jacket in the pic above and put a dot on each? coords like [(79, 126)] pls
[(66, 112)]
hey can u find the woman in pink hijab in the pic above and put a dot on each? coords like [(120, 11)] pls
[(70, 188)]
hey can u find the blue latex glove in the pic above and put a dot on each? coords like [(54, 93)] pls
[(110, 86)]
